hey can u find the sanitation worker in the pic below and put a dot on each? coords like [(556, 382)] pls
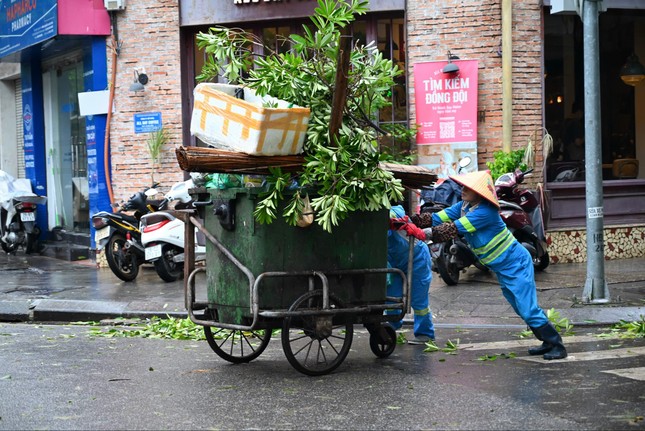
[(477, 217), (397, 257)]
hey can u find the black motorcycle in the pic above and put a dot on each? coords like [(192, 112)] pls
[(18, 225), (451, 257), (18, 215), (119, 234)]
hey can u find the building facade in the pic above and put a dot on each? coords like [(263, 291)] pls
[(156, 38)]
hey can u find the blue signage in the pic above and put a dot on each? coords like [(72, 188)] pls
[(24, 23), (148, 122)]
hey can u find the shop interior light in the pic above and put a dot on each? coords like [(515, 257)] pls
[(633, 71)]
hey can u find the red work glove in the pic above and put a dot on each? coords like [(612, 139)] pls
[(414, 231), (398, 223), (404, 223)]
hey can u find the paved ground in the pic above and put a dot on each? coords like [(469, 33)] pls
[(38, 288)]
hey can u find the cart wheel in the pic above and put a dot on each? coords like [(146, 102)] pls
[(237, 346), (383, 345), (316, 345)]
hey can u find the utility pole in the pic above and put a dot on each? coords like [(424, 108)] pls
[(595, 290)]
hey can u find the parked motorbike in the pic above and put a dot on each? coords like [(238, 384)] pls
[(522, 214), (449, 258), (119, 234), (18, 215), (162, 234)]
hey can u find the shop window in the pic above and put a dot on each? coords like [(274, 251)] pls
[(276, 39), (564, 93), (391, 42)]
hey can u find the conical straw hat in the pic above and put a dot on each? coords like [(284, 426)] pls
[(481, 183)]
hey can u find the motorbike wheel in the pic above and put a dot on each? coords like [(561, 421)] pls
[(166, 268), (122, 262), (8, 248), (540, 263), (449, 272), (33, 245)]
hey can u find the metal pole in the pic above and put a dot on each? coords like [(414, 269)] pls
[(507, 74), (595, 290)]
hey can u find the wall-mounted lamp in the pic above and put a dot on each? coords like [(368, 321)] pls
[(451, 67), (140, 79), (633, 71)]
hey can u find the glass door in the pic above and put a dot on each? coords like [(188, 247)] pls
[(67, 189)]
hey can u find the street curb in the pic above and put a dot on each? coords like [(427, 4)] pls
[(15, 311), (65, 310), (597, 315)]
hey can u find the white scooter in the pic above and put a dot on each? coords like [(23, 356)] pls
[(162, 235)]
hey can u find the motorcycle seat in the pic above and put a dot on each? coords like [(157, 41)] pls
[(509, 205), (128, 218)]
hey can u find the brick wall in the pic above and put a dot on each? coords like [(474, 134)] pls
[(149, 32), (472, 30)]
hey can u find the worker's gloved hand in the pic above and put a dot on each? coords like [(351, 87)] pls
[(444, 232), (414, 231), (428, 232), (398, 223), (404, 223), (422, 220)]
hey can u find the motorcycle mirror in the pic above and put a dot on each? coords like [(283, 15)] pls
[(465, 161)]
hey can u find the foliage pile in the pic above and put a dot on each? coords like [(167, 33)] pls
[(155, 327), (343, 169)]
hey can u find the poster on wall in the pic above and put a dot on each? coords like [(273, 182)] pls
[(446, 107)]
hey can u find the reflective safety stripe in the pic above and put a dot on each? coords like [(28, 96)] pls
[(443, 216), (467, 225), (421, 312), (497, 239), (499, 250)]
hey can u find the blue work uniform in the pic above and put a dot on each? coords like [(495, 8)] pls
[(397, 257), (498, 249)]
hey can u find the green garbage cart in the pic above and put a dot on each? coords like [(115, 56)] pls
[(311, 284)]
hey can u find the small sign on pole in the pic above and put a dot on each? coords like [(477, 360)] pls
[(147, 122)]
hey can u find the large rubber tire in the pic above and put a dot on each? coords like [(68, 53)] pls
[(541, 263), (33, 244), (8, 248), (449, 272), (383, 347), (316, 344), (123, 262), (166, 268)]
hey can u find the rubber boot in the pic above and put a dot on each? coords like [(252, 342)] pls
[(551, 337), (544, 348)]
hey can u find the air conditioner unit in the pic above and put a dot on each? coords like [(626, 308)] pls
[(570, 7), (114, 4), (559, 6)]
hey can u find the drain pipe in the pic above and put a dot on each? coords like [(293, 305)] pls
[(507, 75), (116, 47)]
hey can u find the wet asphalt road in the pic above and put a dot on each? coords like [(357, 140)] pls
[(58, 377)]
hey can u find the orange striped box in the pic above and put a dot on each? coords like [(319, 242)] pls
[(261, 126)]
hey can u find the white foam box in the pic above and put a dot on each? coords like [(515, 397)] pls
[(263, 126)]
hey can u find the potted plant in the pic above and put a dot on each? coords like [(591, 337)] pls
[(342, 167), (154, 144)]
